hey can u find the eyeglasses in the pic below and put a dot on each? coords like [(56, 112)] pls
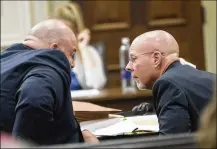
[(132, 59)]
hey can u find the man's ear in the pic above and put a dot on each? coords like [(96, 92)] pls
[(157, 58), (54, 46)]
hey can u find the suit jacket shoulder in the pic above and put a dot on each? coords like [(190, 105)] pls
[(183, 90)]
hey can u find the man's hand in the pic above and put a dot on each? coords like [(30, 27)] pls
[(89, 137)]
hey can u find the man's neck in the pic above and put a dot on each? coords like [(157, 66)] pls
[(168, 61), (35, 43)]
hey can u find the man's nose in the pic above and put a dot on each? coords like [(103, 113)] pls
[(128, 68)]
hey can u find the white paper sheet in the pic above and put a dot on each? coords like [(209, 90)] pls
[(115, 129), (81, 93), (148, 122), (145, 122)]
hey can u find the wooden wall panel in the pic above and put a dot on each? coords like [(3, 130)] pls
[(109, 15), (165, 13), (180, 18)]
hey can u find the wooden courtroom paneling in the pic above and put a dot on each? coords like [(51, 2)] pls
[(109, 21), (159, 15), (110, 15)]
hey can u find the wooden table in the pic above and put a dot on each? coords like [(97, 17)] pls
[(115, 98)]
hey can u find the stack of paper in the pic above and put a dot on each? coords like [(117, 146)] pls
[(116, 129), (92, 126), (129, 124), (146, 122)]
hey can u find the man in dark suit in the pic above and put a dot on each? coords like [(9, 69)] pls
[(35, 87), (180, 91)]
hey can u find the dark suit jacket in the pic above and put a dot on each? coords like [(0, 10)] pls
[(35, 96), (180, 95)]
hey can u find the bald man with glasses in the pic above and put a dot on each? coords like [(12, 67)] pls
[(180, 92)]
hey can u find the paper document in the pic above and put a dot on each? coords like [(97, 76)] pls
[(99, 124), (115, 129), (81, 93), (129, 124), (145, 122)]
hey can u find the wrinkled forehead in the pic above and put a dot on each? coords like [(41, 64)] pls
[(71, 41), (139, 46), (70, 36), (74, 43)]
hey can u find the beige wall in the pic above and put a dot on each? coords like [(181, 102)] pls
[(25, 15), (210, 35)]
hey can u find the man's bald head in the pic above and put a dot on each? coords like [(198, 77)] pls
[(51, 30), (157, 40), (150, 54), (53, 34)]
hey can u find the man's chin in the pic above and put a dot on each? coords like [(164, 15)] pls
[(141, 86)]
